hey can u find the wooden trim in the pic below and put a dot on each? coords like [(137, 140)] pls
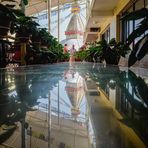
[(118, 33), (130, 4), (123, 4)]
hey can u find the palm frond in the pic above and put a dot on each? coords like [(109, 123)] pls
[(143, 48), (139, 31), (135, 15), (139, 51)]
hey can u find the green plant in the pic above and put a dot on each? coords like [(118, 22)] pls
[(6, 132), (6, 19), (47, 49), (8, 15), (57, 49), (46, 38), (35, 35), (25, 2), (110, 52), (80, 55), (24, 26), (141, 47), (65, 57), (139, 86)]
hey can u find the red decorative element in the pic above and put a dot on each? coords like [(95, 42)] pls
[(71, 89), (17, 55), (73, 32)]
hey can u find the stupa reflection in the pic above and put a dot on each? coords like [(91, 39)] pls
[(75, 90)]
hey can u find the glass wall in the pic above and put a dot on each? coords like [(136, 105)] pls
[(128, 26), (106, 34)]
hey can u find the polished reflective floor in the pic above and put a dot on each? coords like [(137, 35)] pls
[(73, 105)]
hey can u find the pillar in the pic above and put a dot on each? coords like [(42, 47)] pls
[(23, 53)]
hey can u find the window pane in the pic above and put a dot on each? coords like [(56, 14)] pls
[(106, 35), (139, 4), (131, 27), (146, 4)]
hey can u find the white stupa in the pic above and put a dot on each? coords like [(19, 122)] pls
[(74, 31)]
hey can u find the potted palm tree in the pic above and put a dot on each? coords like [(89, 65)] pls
[(141, 47)]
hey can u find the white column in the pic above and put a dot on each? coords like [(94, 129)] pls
[(58, 20), (49, 14)]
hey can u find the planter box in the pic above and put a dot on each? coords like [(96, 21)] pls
[(22, 39)]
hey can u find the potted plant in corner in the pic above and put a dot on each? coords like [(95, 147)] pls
[(141, 47)]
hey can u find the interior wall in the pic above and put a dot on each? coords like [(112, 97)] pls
[(113, 20), (113, 27)]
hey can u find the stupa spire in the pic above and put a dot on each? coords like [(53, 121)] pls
[(74, 28)]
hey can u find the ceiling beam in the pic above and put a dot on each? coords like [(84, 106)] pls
[(95, 33), (90, 36), (98, 13)]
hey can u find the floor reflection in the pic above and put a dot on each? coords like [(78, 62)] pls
[(80, 105)]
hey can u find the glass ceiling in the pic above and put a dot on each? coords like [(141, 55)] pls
[(36, 6), (65, 17)]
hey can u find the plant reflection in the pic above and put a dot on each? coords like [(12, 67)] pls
[(131, 96), (14, 106), (28, 85)]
